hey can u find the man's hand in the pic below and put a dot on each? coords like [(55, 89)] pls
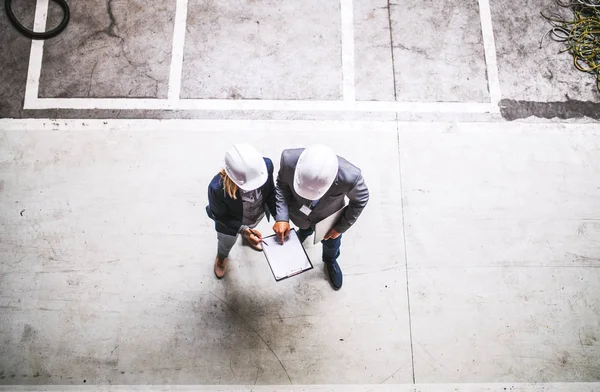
[(254, 236), (282, 229), (332, 235)]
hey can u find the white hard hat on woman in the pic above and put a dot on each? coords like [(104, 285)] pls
[(246, 167)]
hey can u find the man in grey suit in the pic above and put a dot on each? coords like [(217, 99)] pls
[(311, 185)]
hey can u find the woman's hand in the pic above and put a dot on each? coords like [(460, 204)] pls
[(253, 235)]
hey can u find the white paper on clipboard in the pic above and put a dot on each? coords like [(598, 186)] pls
[(323, 227), (288, 259)]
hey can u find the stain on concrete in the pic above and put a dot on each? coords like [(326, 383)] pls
[(235, 94), (29, 333), (513, 109), (1, 186), (588, 339), (564, 358), (100, 361), (74, 282)]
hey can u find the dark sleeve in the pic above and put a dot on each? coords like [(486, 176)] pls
[(359, 196), (271, 199), (225, 222)]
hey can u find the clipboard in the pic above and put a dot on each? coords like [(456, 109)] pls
[(287, 260), (322, 227)]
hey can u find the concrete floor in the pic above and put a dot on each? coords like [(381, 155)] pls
[(473, 268), (475, 261)]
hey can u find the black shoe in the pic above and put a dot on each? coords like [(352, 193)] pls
[(335, 275)]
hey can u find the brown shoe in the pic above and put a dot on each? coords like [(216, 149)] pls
[(220, 267), (257, 247)]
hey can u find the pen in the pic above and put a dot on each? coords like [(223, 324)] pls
[(252, 231)]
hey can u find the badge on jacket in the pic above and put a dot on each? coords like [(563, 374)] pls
[(305, 210)]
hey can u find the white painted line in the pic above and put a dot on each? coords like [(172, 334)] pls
[(179, 28), (347, 14), (34, 70), (135, 125), (489, 46), (258, 105), (198, 125)]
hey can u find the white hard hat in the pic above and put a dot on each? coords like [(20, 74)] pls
[(316, 170), (246, 167)]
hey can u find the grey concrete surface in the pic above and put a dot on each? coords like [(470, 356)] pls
[(512, 292), (475, 261), (14, 58), (111, 48), (106, 272), (528, 73), (281, 50), (107, 269), (438, 51), (505, 323), (374, 73)]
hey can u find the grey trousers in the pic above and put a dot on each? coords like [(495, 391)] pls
[(226, 242)]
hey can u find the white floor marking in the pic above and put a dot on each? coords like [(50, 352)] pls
[(173, 102), (193, 125), (347, 14), (34, 70), (198, 125), (258, 105), (489, 46), (177, 51)]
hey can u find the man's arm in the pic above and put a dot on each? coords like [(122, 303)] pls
[(283, 195), (359, 196)]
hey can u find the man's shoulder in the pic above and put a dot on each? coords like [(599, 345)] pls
[(348, 172), (290, 156)]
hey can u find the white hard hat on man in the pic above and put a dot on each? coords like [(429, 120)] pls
[(316, 170)]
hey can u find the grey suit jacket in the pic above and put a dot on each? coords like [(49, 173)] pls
[(349, 182)]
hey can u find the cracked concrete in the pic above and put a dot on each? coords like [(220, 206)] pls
[(438, 51), (374, 73), (127, 46), (282, 50), (416, 52)]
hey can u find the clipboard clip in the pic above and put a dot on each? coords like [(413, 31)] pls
[(294, 273)]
